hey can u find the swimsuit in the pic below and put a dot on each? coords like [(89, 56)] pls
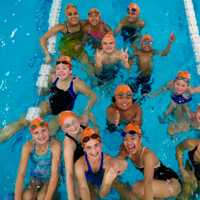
[(41, 165), (61, 100), (79, 149), (68, 43), (95, 178), (195, 164), (181, 99)]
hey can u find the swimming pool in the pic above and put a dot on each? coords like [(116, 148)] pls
[(26, 21)]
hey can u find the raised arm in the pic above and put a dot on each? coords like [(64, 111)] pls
[(81, 87), (194, 90), (82, 182), (56, 154), (43, 40), (169, 45), (119, 27), (22, 170)]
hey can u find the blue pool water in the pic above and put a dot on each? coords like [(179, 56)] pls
[(22, 24)]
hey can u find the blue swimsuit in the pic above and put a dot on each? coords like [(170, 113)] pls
[(61, 100), (180, 99), (41, 165), (95, 178)]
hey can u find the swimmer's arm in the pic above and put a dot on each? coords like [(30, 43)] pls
[(98, 60), (123, 153), (113, 115), (149, 163), (51, 32), (167, 49), (56, 154), (82, 182), (80, 86), (119, 27), (116, 167), (26, 150), (69, 167), (194, 90), (138, 116)]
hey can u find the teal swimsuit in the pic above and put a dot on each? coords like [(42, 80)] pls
[(41, 165)]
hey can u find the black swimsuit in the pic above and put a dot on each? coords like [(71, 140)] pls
[(195, 164), (79, 149), (61, 100)]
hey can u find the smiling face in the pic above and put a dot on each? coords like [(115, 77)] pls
[(93, 148), (108, 43), (146, 45), (180, 86), (40, 135), (71, 126), (93, 18), (123, 100), (132, 143), (62, 71), (73, 16), (133, 12)]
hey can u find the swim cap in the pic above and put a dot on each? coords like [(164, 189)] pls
[(65, 60), (93, 10), (63, 116), (134, 128), (122, 89), (183, 75), (134, 6), (70, 5), (37, 123), (146, 38), (88, 133)]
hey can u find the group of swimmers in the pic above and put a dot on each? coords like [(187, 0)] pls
[(90, 173)]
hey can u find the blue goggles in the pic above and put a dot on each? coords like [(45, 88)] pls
[(131, 11), (147, 43), (132, 133)]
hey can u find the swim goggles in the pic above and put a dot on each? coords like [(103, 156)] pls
[(38, 125), (132, 133), (127, 95), (63, 62), (75, 13), (132, 10), (147, 42)]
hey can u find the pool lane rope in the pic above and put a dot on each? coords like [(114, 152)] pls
[(193, 30), (45, 69)]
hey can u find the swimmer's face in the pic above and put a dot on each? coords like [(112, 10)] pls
[(108, 44), (180, 86), (73, 16), (71, 126), (93, 148), (62, 71), (147, 45), (94, 18), (132, 14), (132, 143), (124, 100), (40, 135)]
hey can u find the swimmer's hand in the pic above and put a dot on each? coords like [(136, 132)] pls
[(47, 59), (98, 58), (116, 118), (124, 57), (172, 37)]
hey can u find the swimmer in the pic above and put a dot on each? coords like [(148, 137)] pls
[(159, 180), (108, 58), (96, 171), (144, 57), (130, 26), (123, 109), (71, 42), (95, 28), (178, 108), (43, 153), (63, 93), (72, 126), (191, 171)]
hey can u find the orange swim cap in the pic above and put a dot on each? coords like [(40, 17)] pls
[(69, 6), (37, 123), (146, 38), (183, 75), (133, 127), (88, 133), (134, 6), (63, 116), (121, 89)]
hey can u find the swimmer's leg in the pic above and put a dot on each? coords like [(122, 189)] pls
[(123, 189), (177, 127), (42, 193)]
